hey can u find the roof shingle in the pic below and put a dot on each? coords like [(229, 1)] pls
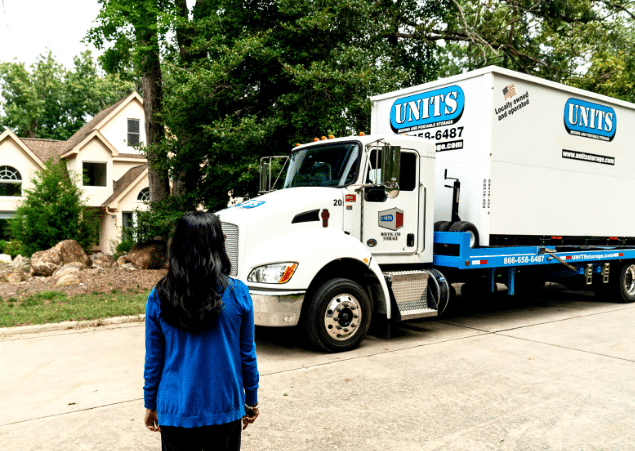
[(120, 185)]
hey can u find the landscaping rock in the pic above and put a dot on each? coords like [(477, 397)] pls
[(16, 276), (5, 258), (45, 263), (68, 268), (152, 255), (121, 260), (71, 251), (128, 266), (69, 279), (102, 260), (20, 262)]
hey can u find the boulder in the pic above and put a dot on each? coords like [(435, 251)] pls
[(128, 267), (71, 251), (5, 258), (20, 262), (68, 268), (102, 260), (151, 255), (45, 263), (69, 279), (15, 276)]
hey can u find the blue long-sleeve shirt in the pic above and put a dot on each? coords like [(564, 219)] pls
[(195, 380)]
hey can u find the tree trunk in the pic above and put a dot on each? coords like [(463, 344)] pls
[(151, 88)]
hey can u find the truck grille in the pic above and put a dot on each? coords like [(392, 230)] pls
[(231, 245)]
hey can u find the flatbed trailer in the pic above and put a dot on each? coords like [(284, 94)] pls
[(556, 263)]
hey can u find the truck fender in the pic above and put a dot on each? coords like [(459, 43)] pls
[(374, 267), (324, 247)]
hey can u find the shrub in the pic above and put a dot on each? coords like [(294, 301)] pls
[(158, 221), (13, 248), (53, 211)]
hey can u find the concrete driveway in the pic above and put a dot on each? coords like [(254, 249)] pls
[(555, 373)]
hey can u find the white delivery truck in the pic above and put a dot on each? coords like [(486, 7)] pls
[(490, 176)]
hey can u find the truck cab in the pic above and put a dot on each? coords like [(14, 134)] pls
[(353, 217)]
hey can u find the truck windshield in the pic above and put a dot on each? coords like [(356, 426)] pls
[(324, 165)]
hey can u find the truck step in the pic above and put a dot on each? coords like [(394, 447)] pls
[(410, 291)]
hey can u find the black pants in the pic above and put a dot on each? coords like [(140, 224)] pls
[(221, 437)]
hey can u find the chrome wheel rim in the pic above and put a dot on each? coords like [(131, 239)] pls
[(629, 280), (342, 317)]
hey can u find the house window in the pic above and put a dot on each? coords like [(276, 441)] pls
[(95, 174), (10, 182), (127, 219), (127, 225), (144, 195), (133, 132)]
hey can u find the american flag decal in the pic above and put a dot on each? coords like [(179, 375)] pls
[(509, 91)]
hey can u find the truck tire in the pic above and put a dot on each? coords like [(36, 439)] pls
[(442, 226), (337, 315), (464, 226), (621, 286)]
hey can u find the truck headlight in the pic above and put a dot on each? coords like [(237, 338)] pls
[(273, 273)]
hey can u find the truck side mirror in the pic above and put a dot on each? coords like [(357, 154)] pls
[(391, 166), (268, 167), (265, 175)]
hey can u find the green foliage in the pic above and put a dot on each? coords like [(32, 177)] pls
[(51, 102), (240, 81), (158, 221), (124, 244), (12, 248), (53, 211)]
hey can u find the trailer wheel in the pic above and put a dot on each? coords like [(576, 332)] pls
[(464, 226), (621, 286), (338, 315), (442, 226)]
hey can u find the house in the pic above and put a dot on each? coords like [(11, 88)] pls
[(114, 173)]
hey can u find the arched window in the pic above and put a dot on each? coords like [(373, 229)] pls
[(144, 195), (10, 182)]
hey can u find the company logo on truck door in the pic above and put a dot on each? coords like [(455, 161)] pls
[(436, 108), (391, 219), (589, 120)]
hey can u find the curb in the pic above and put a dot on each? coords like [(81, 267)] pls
[(70, 325)]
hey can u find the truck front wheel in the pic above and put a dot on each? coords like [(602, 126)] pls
[(337, 315)]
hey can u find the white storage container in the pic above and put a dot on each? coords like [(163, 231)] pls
[(534, 158)]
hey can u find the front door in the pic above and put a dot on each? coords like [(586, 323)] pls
[(390, 226)]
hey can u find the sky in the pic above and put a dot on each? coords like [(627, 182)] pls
[(31, 27)]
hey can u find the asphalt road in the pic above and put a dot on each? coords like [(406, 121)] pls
[(554, 373)]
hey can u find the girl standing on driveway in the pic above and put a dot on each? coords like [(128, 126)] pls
[(201, 375)]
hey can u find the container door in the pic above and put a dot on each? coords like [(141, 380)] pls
[(391, 226)]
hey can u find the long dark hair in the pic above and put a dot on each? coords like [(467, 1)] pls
[(190, 293)]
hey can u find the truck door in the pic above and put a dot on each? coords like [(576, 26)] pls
[(391, 226)]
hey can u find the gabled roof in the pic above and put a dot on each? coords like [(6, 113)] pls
[(125, 183), (94, 134), (98, 121), (8, 134), (45, 148)]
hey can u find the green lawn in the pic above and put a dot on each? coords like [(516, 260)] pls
[(55, 306)]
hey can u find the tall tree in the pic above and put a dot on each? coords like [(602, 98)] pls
[(246, 79), (51, 102), (134, 29)]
